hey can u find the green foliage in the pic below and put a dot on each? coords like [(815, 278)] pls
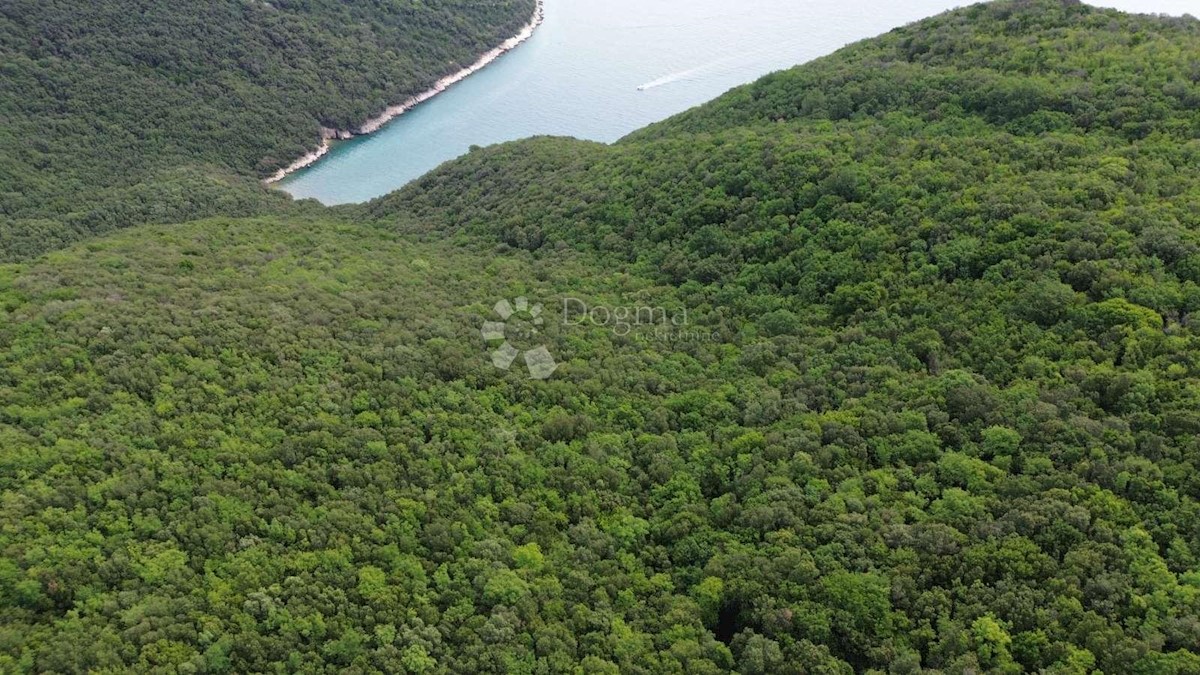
[(934, 408), (118, 112)]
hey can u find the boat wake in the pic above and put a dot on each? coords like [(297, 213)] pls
[(691, 73), (673, 77), (717, 67)]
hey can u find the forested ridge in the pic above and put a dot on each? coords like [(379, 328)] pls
[(119, 112), (933, 405)]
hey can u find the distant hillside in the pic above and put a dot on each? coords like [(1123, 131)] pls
[(889, 363), (118, 112), (1064, 66), (972, 103)]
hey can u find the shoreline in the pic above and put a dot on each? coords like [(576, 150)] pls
[(390, 113)]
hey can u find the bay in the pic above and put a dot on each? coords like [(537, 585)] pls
[(600, 69)]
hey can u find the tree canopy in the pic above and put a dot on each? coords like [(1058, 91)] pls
[(119, 112), (929, 404)]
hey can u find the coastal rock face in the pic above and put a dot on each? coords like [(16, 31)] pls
[(339, 134)]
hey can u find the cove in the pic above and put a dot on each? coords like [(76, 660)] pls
[(600, 69)]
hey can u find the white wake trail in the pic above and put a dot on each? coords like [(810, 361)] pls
[(724, 64), (673, 77)]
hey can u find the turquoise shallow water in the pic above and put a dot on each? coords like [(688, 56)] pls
[(579, 75)]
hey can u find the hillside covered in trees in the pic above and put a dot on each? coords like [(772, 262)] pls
[(119, 112), (928, 399)]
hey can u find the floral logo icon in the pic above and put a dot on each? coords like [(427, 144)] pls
[(520, 323)]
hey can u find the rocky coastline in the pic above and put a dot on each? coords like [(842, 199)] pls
[(391, 112)]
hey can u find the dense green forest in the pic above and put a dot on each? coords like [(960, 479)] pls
[(927, 400), (119, 112)]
